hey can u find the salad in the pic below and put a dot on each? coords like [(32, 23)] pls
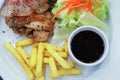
[(71, 14)]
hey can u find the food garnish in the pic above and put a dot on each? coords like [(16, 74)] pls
[(71, 5), (71, 14)]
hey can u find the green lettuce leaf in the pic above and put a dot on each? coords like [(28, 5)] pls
[(67, 23)]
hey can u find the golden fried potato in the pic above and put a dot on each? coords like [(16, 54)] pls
[(20, 60), (53, 67), (33, 58), (41, 78), (62, 54), (66, 45), (72, 71), (57, 48), (42, 54), (25, 42), (69, 71), (23, 54), (58, 58), (40, 60)]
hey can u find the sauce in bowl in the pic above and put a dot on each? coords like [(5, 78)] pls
[(87, 46)]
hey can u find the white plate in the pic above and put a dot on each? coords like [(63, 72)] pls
[(108, 70)]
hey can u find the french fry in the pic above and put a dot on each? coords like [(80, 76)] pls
[(53, 67), (58, 58), (54, 56), (72, 71), (46, 53), (62, 54), (66, 45), (57, 48), (20, 60), (39, 60), (33, 58), (41, 78), (71, 64), (36, 45), (69, 71), (23, 54), (25, 42), (27, 59), (46, 60)]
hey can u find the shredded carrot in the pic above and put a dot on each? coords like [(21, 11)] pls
[(90, 8), (70, 10), (98, 3), (57, 13), (71, 5)]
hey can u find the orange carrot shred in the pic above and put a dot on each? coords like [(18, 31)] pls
[(71, 5), (98, 3), (57, 13), (70, 10)]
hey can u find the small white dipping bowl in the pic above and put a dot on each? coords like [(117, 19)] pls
[(100, 33)]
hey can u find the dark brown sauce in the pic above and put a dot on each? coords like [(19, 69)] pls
[(87, 46)]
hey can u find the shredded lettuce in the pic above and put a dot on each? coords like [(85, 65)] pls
[(67, 23), (101, 13)]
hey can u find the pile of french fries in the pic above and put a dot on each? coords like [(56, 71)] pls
[(43, 54)]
